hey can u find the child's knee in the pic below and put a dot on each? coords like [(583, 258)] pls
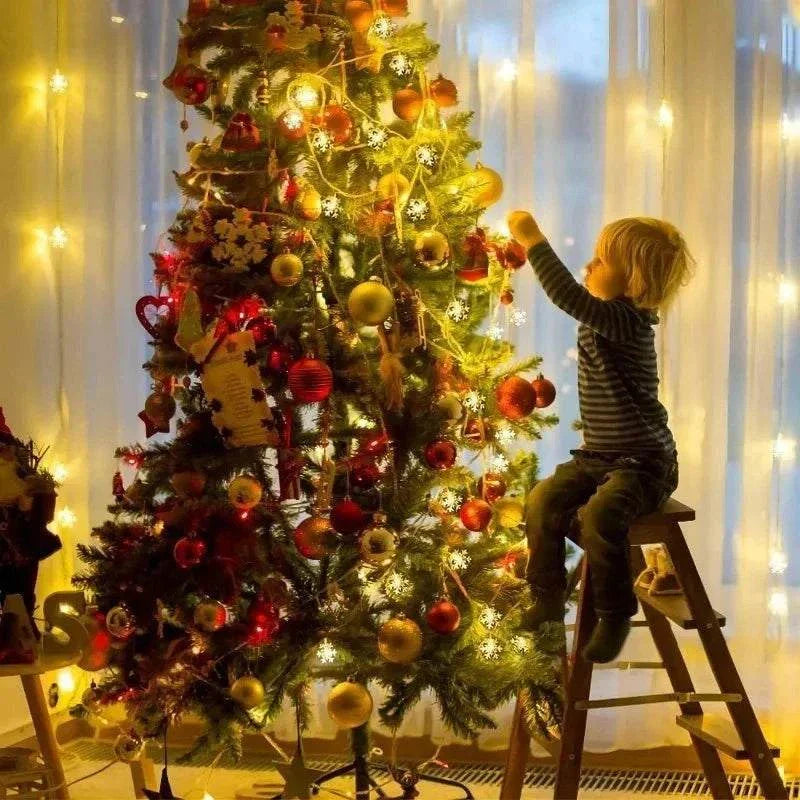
[(544, 509)]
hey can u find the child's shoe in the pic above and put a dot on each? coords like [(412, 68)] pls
[(666, 581), (545, 608), (607, 639), (646, 576)]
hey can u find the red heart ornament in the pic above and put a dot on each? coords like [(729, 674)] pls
[(153, 305)]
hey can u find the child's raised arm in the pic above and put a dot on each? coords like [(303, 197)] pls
[(614, 319)]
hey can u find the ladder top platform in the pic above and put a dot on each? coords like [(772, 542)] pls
[(672, 511)]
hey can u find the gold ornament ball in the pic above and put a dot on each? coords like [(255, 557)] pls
[(349, 705), (307, 91), (450, 405), (377, 545), (210, 615), (432, 249), (509, 512), (400, 640), (394, 186), (483, 186), (309, 203), (370, 303), (248, 691), (286, 269), (245, 492), (128, 748)]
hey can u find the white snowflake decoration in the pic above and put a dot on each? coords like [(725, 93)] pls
[(377, 138), (495, 332), (521, 645), (331, 206), (457, 310), (778, 562), (241, 242), (519, 317), (396, 585), (305, 96), (499, 463), (400, 64), (293, 119), (450, 500), (474, 401), (490, 648), (417, 209), (505, 435), (458, 560), (326, 652), (427, 155), (383, 27), (489, 617), (321, 141)]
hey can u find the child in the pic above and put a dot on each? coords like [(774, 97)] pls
[(628, 464)]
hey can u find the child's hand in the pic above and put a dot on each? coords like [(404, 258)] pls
[(524, 229)]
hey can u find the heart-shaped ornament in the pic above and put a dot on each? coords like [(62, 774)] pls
[(150, 310)]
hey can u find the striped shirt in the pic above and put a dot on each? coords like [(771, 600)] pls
[(617, 368)]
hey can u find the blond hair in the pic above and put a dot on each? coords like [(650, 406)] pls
[(653, 255)]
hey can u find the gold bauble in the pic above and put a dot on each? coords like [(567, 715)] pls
[(248, 691), (370, 303), (394, 186), (482, 187), (307, 91), (349, 705), (245, 492), (377, 545), (432, 249), (309, 203), (286, 269), (509, 512), (400, 640), (450, 405)]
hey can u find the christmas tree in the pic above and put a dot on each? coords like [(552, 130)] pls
[(343, 496)]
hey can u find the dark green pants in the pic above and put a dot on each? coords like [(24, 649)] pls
[(593, 499)]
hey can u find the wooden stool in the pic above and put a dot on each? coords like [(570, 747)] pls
[(740, 737)]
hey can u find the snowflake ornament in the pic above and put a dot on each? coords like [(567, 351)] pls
[(427, 155), (519, 317), (489, 617), (417, 209), (240, 241), (331, 206), (458, 560), (521, 645), (396, 585), (449, 500), (490, 648), (321, 141), (499, 463), (377, 138), (474, 401), (457, 310), (326, 652), (505, 435), (293, 119), (400, 64), (383, 27), (495, 332)]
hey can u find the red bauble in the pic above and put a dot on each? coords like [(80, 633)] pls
[(507, 297), (491, 486), (515, 397), (276, 38), (263, 329), (239, 2), (407, 104), (476, 268), (263, 622), (292, 125), (241, 135), (444, 92), (440, 454), (314, 538), (377, 445), (310, 380), (279, 358), (190, 84), (515, 255), (348, 518), (545, 391), (443, 617), (364, 472), (338, 122), (395, 8), (197, 9), (189, 552), (475, 514)]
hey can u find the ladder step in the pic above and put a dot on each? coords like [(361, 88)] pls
[(624, 666), (720, 733), (671, 697), (674, 607)]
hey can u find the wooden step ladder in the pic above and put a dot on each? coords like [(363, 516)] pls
[(739, 737)]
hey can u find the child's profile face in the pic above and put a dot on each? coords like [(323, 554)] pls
[(604, 280)]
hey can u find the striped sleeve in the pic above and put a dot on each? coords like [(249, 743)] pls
[(613, 319)]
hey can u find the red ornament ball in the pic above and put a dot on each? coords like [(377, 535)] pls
[(263, 622), (348, 518), (263, 329), (440, 454), (444, 92), (491, 486), (507, 297), (515, 255), (364, 472), (292, 125), (545, 391), (515, 397), (279, 358), (314, 538), (338, 123), (189, 552), (395, 8), (242, 134), (191, 84), (310, 380), (476, 514), (376, 444), (443, 617)]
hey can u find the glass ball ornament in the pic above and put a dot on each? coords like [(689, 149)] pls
[(292, 125), (443, 617), (407, 104), (440, 454), (189, 551), (248, 691), (370, 302), (262, 621), (120, 622), (310, 380), (286, 269), (431, 249), (245, 492), (349, 705), (400, 640), (378, 543), (188, 482), (336, 120), (347, 517), (315, 538), (515, 397), (393, 186), (443, 91), (545, 391), (491, 486), (475, 514), (364, 472), (128, 748), (482, 186)]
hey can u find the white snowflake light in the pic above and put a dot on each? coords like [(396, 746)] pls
[(521, 644), (305, 96), (396, 585), (427, 155), (778, 561), (458, 560), (331, 206), (377, 138), (326, 652), (499, 463), (490, 648), (519, 317), (293, 119), (778, 603), (489, 617), (383, 27), (505, 435), (400, 64), (417, 209), (474, 401), (457, 310), (321, 141), (495, 332), (450, 500)]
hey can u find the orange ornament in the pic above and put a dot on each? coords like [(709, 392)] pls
[(545, 391), (359, 14), (407, 104), (395, 8), (476, 514), (337, 121), (515, 397), (444, 92), (314, 538)]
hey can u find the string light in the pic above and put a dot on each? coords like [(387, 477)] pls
[(778, 561), (66, 518), (784, 449), (507, 71), (66, 680), (778, 603), (787, 292), (60, 472), (58, 82), (58, 238), (118, 20), (141, 94), (665, 116)]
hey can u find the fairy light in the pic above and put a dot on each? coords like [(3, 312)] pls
[(141, 94), (790, 128), (507, 71), (66, 518), (118, 20), (665, 116), (58, 238), (60, 472), (783, 448), (778, 603), (787, 292), (66, 680), (778, 561), (58, 82)]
